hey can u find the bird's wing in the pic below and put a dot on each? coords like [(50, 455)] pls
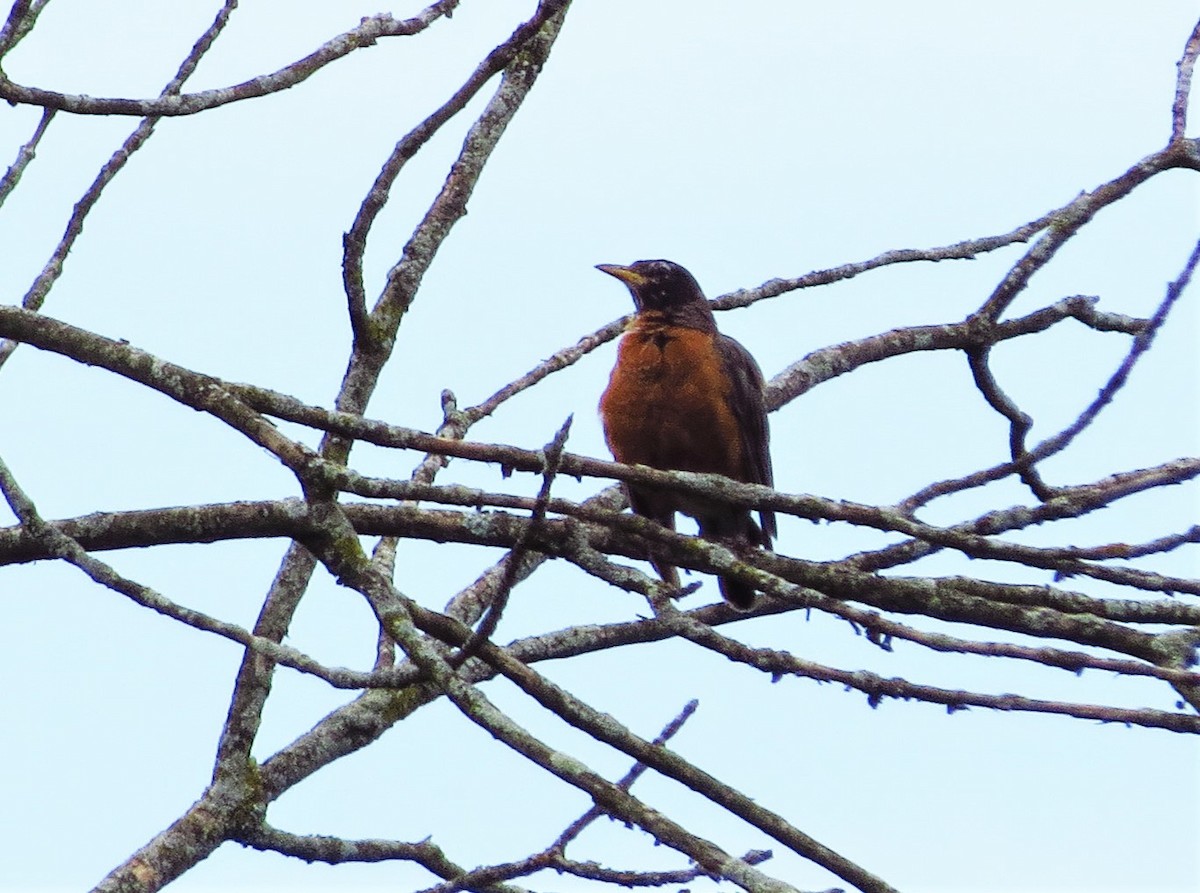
[(750, 410)]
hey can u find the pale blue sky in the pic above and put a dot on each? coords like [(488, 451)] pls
[(746, 141)]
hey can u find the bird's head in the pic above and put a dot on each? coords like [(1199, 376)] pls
[(657, 284)]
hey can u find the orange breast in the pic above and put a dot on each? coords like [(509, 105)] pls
[(667, 404)]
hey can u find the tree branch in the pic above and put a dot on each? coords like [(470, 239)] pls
[(36, 295), (1183, 85), (370, 30)]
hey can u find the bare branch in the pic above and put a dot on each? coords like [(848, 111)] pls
[(876, 688), (57, 544), (192, 389), (24, 156), (669, 731), (553, 456), (1141, 344), (451, 204), (606, 728), (366, 34), (1068, 220), (36, 295), (338, 850), (1025, 460), (1183, 85), (396, 614), (966, 250), (969, 335), (558, 361), (211, 523), (21, 19), (592, 871)]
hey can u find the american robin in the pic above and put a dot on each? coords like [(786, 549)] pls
[(684, 397)]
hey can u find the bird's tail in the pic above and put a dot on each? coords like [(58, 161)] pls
[(738, 594), (738, 531)]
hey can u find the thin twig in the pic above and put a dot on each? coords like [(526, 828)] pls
[(572, 831), (1058, 442), (36, 295), (339, 850), (60, 545), (1068, 502), (491, 618), (396, 613), (368, 32), (966, 250), (1183, 85), (609, 730), (876, 688), (21, 19), (24, 156), (1141, 344), (973, 333), (457, 189)]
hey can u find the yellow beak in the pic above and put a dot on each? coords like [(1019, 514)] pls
[(628, 275)]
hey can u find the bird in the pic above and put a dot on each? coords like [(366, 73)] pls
[(684, 397)]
